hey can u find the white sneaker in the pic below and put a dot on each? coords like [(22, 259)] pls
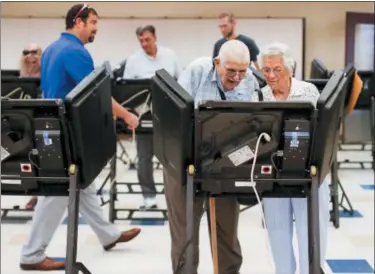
[(149, 203)]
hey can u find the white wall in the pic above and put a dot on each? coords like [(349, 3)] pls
[(190, 38)]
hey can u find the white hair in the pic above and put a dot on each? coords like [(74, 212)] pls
[(280, 49), (234, 50)]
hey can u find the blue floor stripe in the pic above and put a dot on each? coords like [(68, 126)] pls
[(345, 214), (350, 266), (81, 221), (148, 222), (368, 187), (59, 259)]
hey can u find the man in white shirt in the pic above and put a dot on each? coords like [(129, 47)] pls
[(142, 65)]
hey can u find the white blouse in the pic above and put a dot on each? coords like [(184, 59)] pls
[(299, 91)]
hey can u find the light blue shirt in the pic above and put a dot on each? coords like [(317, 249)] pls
[(142, 66), (201, 81)]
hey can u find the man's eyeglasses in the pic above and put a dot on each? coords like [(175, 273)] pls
[(27, 52), (85, 6), (232, 72)]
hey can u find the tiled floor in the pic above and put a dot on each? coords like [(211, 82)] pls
[(350, 250)]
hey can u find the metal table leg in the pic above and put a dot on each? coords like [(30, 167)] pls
[(313, 227), (190, 195), (372, 119), (72, 266)]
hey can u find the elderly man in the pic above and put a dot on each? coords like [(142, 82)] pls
[(142, 65), (277, 67), (228, 77)]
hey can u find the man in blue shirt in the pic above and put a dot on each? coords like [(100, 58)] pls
[(64, 64), (227, 78)]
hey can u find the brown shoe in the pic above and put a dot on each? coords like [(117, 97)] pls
[(32, 203), (47, 264), (126, 236)]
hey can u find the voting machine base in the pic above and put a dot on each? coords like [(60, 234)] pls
[(116, 189), (114, 192), (130, 189), (354, 165), (338, 202), (21, 216), (161, 214)]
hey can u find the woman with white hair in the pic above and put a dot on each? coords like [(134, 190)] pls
[(30, 61), (277, 68)]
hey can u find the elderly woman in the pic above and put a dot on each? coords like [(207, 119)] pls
[(30, 61), (30, 67), (277, 67)]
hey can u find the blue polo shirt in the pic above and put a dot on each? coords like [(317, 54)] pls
[(64, 64)]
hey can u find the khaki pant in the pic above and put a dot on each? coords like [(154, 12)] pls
[(227, 213)]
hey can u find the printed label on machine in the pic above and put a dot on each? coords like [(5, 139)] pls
[(242, 184), (4, 153), (11, 182), (241, 155)]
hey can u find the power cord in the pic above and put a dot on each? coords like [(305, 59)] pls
[(267, 138), (33, 152)]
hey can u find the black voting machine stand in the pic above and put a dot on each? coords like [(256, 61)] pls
[(324, 77), (134, 95), (48, 147), (365, 102), (14, 87), (213, 150)]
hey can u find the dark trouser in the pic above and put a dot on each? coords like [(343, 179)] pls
[(227, 213), (145, 170)]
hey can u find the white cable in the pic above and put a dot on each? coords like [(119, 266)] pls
[(134, 96), (253, 184), (144, 108), (13, 92)]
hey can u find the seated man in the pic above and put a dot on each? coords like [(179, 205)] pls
[(142, 65), (225, 77), (277, 67)]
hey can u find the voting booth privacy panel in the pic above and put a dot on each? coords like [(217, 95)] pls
[(218, 136), (274, 149), (116, 39), (42, 138)]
